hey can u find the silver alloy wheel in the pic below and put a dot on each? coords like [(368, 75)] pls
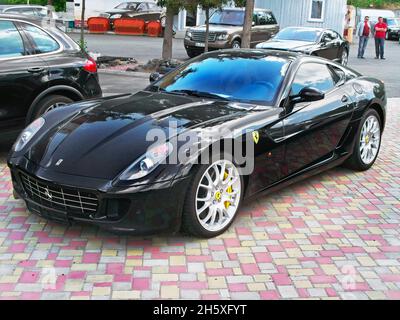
[(345, 58), (370, 140), (218, 195), (236, 45), (54, 106)]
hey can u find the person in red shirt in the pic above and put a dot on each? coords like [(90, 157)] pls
[(380, 35)]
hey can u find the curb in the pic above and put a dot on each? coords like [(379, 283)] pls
[(133, 74)]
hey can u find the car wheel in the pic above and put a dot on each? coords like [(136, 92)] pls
[(368, 142), (345, 58), (236, 44), (214, 198), (50, 103), (163, 21), (191, 53)]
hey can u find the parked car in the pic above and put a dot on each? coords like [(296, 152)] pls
[(148, 11), (393, 31), (159, 160), (40, 70), (319, 42), (39, 12), (226, 28)]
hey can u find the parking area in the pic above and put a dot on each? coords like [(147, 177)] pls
[(334, 236)]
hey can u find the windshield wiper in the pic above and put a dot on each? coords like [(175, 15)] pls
[(201, 94)]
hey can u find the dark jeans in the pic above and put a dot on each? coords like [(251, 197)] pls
[(362, 45), (380, 47)]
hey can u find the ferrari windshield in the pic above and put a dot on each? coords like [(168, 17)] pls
[(248, 79), (299, 34), (228, 17)]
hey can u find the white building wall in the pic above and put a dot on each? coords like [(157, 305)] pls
[(297, 12)]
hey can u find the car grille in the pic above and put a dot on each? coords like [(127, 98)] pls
[(60, 198), (200, 36)]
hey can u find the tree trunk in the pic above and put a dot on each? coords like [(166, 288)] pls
[(248, 23), (168, 35), (83, 4), (207, 9), (49, 2)]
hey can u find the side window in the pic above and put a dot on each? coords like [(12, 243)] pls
[(327, 37), (338, 74), (11, 44), (142, 7), (315, 75), (41, 40), (270, 18)]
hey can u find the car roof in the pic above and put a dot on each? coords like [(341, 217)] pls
[(9, 16), (243, 9), (256, 53), (24, 6), (307, 28)]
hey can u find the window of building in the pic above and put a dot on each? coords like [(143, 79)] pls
[(317, 10)]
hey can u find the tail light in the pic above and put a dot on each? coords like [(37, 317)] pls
[(90, 65)]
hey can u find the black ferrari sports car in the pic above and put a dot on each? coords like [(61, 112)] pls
[(187, 151), (324, 43)]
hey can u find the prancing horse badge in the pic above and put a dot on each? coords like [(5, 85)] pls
[(256, 137)]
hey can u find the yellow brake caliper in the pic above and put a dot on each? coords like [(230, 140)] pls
[(229, 190)]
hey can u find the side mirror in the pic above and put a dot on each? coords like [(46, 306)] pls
[(308, 94), (154, 77)]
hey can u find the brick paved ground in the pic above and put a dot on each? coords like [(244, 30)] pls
[(333, 236)]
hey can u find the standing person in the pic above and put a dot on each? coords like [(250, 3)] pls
[(380, 35), (364, 31)]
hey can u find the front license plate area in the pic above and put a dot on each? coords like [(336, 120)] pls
[(200, 44)]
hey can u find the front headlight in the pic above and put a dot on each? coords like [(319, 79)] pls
[(188, 34), (28, 134), (222, 37), (148, 162)]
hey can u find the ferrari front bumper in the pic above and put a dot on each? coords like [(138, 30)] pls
[(142, 210)]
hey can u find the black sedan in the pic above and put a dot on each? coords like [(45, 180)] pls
[(148, 11), (40, 69), (319, 42), (186, 151)]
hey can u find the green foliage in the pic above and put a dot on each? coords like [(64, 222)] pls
[(374, 3), (59, 5)]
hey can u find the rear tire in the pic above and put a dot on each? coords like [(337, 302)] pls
[(367, 142), (49, 103)]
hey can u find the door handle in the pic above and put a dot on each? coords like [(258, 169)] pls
[(345, 99), (36, 69)]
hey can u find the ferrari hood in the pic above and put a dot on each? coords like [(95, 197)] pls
[(104, 139), (285, 45)]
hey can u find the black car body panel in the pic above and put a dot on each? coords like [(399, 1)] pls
[(26, 79), (97, 140), (329, 44)]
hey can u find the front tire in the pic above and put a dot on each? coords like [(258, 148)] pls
[(368, 142), (236, 44), (191, 53), (214, 198), (345, 58)]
